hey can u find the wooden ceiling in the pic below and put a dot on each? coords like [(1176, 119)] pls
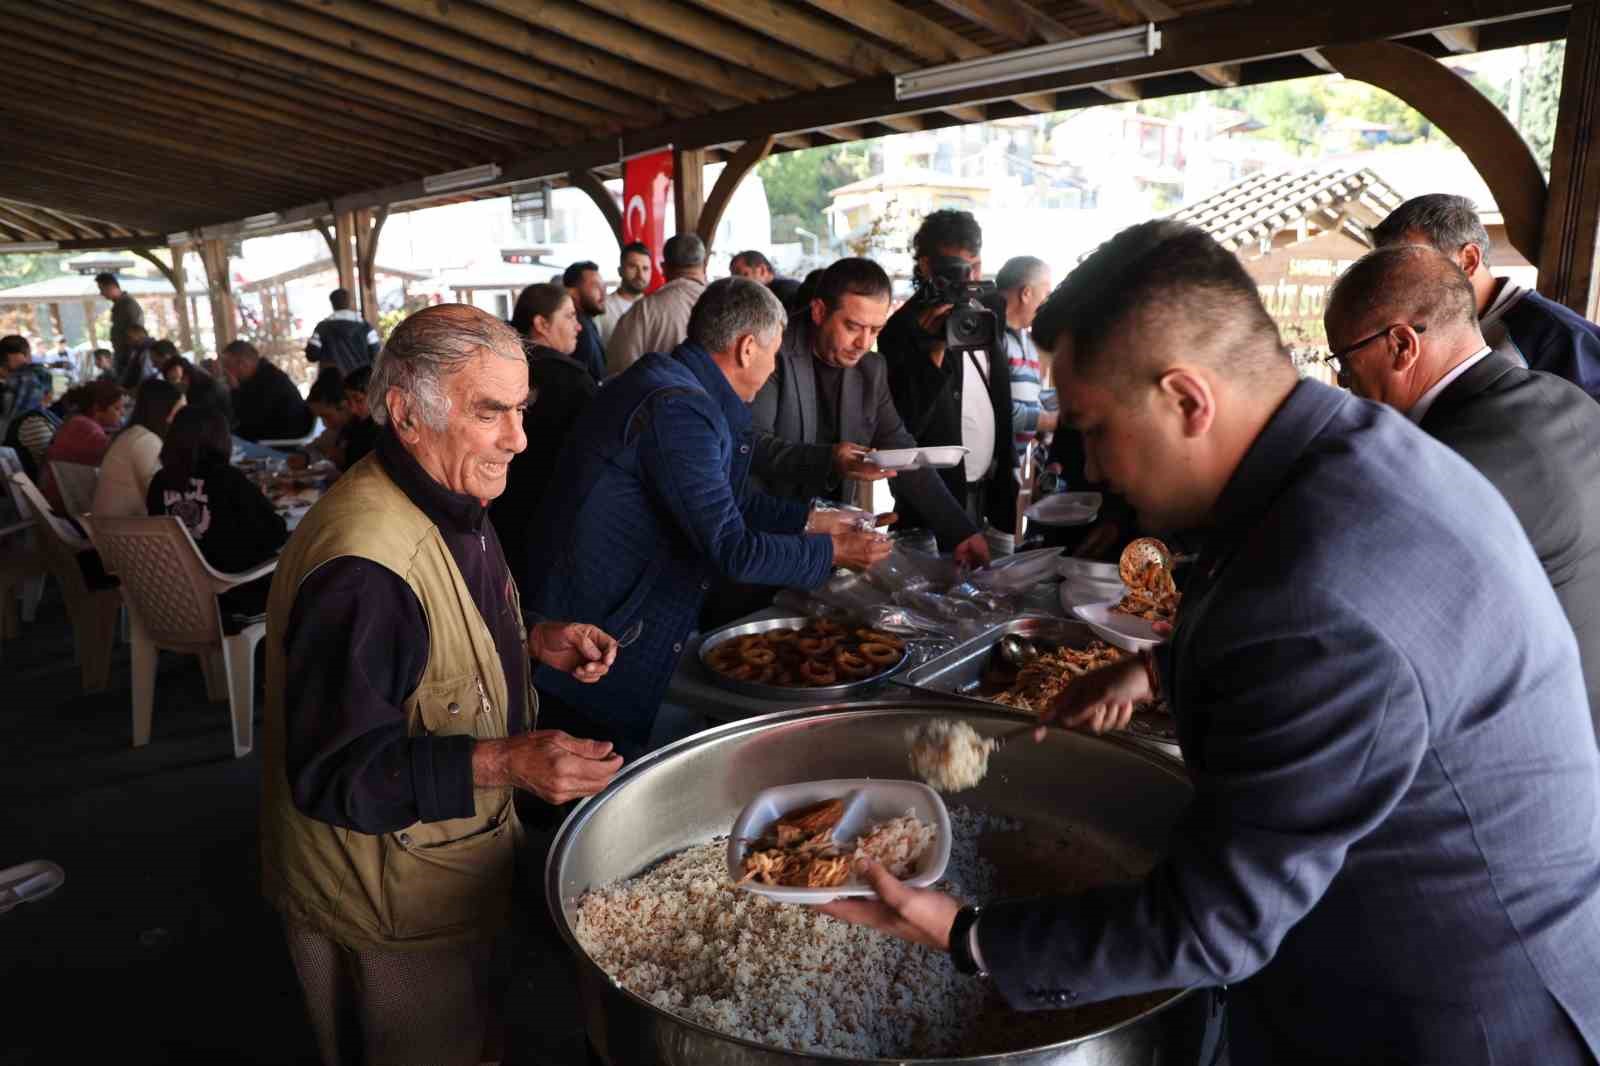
[(159, 116)]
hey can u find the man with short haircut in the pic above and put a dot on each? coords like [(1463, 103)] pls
[(660, 321), (360, 434), (1403, 324), (1023, 283), (399, 718), (827, 404), (266, 404), (1538, 332), (757, 267), (633, 278), (963, 400), (125, 313), (588, 292), (1392, 852), (344, 340), (654, 506)]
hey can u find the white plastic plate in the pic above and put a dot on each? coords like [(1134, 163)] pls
[(867, 801), (1077, 591), (1114, 627), (1018, 571), (28, 881), (917, 458), (942, 457), (1065, 509), (1074, 567)]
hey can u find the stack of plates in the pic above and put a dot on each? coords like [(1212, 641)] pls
[(1084, 581)]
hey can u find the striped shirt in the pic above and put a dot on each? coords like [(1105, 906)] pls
[(1023, 360)]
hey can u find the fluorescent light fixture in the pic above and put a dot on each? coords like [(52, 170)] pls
[(271, 218), (179, 238), (1135, 42), (457, 179), (30, 246)]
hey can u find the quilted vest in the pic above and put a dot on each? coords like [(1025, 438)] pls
[(430, 883)]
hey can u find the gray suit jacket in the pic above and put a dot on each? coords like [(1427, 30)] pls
[(1536, 438), (1393, 850), (791, 461)]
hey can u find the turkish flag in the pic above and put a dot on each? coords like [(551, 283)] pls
[(646, 200)]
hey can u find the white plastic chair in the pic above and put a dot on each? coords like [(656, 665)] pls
[(93, 611), (76, 483), (26, 566), (171, 593)]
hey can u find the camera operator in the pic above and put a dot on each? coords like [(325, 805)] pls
[(955, 398)]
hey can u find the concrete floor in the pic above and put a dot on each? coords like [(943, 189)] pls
[(158, 948)]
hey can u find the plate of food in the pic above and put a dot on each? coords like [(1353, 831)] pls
[(805, 843), (1126, 631), (934, 458), (1065, 509), (792, 658)]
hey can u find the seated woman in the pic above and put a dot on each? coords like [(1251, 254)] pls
[(135, 454), (199, 388), (234, 525), (86, 434), (560, 388), (33, 424)]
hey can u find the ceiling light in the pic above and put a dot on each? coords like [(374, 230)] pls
[(271, 218), (1135, 42), (30, 246), (179, 238), (456, 179)]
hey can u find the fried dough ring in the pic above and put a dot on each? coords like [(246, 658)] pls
[(752, 640), (851, 665), (827, 628), (815, 646), (745, 672), (723, 657), (762, 657), (818, 673), (876, 636), (780, 636), (879, 654)]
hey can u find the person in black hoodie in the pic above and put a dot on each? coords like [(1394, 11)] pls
[(233, 524), (199, 388), (561, 387), (266, 403)]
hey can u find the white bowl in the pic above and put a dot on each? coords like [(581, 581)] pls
[(1065, 509), (868, 801), (1114, 627), (894, 458)]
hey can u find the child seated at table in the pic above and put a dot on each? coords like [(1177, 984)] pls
[(232, 522)]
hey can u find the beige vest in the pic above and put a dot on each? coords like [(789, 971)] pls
[(429, 883)]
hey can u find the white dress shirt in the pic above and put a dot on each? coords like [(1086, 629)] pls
[(1420, 409), (977, 415)]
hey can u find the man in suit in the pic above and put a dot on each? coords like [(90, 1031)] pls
[(1405, 332), (1537, 332), (828, 403), (1392, 854)]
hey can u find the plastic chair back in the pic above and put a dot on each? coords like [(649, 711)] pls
[(164, 578), (56, 528), (76, 483), (11, 464)]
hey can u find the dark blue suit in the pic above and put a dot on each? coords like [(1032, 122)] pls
[(1393, 853), (646, 508)]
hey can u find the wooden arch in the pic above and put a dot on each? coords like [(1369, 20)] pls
[(1468, 118)]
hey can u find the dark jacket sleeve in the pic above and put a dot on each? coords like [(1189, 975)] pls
[(775, 514), (258, 523), (680, 456), (1325, 700), (914, 382), (808, 467), (357, 643), (924, 490)]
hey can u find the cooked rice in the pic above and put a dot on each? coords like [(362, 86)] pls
[(949, 754), (685, 938), (897, 844)]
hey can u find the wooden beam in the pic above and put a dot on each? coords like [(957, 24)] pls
[(746, 159), (1318, 60), (41, 229), (906, 124), (369, 226), (175, 277), (903, 28), (20, 229), (1572, 217), (1458, 40), (590, 185), (1221, 75), (1015, 20), (1466, 116), (332, 242), (967, 112), (797, 28), (688, 187), (219, 285), (1126, 92), (344, 235), (687, 25)]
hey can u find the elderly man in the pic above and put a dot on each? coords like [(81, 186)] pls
[(827, 404), (660, 321), (266, 404), (633, 278), (1540, 333), (1393, 849), (399, 715), (653, 507), (1404, 331), (1023, 283)]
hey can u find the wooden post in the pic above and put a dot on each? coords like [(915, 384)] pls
[(55, 320), (180, 298), (369, 226), (749, 155), (1572, 215), (688, 186), (88, 321), (344, 235), (214, 254)]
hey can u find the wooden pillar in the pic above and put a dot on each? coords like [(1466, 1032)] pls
[(1572, 214), (55, 321), (88, 320), (180, 297), (344, 236), (369, 226), (749, 155), (688, 186), (214, 254)]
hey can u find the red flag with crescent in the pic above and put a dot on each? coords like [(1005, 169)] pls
[(646, 200)]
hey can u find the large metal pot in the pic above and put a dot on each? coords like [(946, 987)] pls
[(1123, 794)]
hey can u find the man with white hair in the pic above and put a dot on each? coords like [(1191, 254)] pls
[(400, 716), (650, 504)]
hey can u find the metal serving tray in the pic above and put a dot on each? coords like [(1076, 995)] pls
[(958, 673), (807, 694)]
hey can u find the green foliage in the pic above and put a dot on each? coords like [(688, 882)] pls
[(1541, 100), (798, 183), (24, 268)]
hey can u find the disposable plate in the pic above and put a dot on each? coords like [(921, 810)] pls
[(1065, 509), (1123, 630)]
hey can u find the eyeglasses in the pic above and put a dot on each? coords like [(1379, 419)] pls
[(1335, 360)]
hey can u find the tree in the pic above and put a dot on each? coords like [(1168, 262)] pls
[(1541, 100), (23, 268), (798, 183)]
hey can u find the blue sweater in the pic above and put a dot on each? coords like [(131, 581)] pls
[(1556, 339), (647, 506)]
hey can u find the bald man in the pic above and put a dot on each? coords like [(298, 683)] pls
[(1405, 330)]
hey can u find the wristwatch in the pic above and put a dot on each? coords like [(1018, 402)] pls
[(961, 942)]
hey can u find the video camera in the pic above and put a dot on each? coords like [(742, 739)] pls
[(970, 326)]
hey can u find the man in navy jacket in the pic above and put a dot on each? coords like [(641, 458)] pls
[(1393, 850), (648, 505), (1539, 333)]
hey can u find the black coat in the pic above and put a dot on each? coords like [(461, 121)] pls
[(270, 407), (929, 401)]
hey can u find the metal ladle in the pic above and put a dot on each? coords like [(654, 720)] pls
[(1017, 651)]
